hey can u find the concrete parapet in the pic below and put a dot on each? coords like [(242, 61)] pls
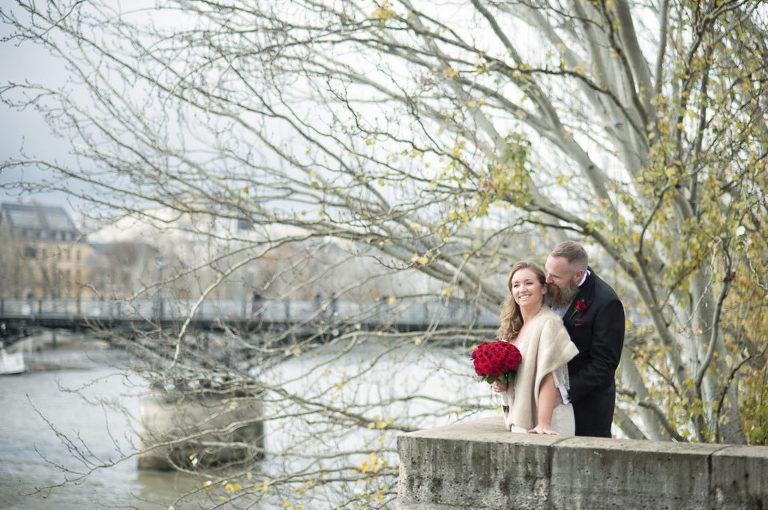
[(479, 465), (739, 478)]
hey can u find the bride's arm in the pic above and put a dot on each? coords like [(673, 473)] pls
[(549, 398)]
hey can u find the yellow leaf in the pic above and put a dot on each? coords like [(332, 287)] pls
[(450, 73), (383, 14)]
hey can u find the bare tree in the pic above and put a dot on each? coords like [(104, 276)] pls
[(445, 139)]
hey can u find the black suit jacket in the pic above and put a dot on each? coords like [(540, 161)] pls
[(595, 322)]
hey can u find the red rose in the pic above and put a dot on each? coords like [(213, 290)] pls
[(496, 360), (580, 306)]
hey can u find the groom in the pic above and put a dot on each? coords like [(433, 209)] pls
[(594, 317)]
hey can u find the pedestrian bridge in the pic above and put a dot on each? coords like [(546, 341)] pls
[(248, 314)]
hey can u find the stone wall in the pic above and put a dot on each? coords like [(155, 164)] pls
[(479, 465)]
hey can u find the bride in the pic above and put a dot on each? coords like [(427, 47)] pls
[(533, 402)]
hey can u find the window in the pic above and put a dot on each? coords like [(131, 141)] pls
[(30, 252)]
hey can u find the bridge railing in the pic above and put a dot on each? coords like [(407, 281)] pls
[(294, 311)]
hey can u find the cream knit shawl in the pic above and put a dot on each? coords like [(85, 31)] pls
[(545, 347)]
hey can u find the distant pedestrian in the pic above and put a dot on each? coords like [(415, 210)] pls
[(257, 302), (334, 304)]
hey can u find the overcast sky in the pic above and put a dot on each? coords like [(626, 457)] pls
[(25, 133)]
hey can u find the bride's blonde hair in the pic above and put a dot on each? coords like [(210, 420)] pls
[(510, 316)]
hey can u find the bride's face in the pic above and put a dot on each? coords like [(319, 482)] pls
[(527, 291)]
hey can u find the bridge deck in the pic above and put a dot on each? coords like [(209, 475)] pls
[(64, 313)]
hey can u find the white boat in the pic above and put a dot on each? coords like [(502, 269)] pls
[(11, 363)]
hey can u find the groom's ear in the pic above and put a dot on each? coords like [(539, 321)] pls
[(579, 275)]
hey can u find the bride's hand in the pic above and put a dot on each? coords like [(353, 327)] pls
[(498, 387), (543, 429)]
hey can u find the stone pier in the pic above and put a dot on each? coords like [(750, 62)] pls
[(479, 465), (200, 431)]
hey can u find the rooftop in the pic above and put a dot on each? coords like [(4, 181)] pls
[(36, 221)]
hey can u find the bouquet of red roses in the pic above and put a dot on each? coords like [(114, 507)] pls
[(496, 361)]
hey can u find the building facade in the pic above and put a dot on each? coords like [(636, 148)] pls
[(42, 253)]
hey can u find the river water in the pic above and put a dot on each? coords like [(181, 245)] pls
[(90, 406), (33, 457)]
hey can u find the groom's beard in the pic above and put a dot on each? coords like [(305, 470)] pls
[(560, 298)]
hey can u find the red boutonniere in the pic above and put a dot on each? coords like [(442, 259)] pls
[(580, 306)]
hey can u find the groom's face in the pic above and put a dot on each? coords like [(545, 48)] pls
[(564, 278)]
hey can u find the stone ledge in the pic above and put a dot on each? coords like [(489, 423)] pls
[(479, 465)]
